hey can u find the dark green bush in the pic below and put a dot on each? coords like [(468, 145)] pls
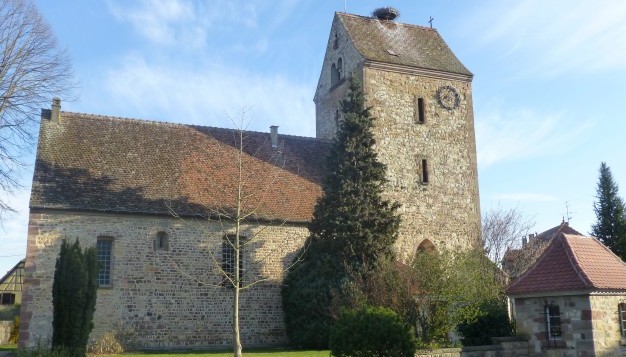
[(493, 322), (371, 332)]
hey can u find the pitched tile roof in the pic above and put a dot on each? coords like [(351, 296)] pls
[(403, 44), (555, 231), (99, 163), (573, 263)]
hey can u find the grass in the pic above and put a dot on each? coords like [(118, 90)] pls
[(250, 353), (8, 348)]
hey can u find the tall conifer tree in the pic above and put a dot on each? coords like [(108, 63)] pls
[(610, 227), (74, 298), (352, 231)]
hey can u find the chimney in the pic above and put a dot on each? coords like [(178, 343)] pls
[(274, 135), (55, 112), (524, 242)]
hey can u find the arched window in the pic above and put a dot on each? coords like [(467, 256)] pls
[(334, 75), (339, 69)]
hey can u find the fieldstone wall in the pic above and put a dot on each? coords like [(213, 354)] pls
[(162, 298), (576, 325), (5, 331), (445, 210), (607, 338)]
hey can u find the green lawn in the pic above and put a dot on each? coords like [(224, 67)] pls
[(251, 353), (8, 348)]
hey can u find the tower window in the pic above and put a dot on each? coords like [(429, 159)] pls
[(334, 75), (424, 171), (339, 68), (336, 42), (421, 118)]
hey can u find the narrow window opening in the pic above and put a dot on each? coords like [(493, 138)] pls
[(339, 69), (553, 322), (161, 242), (425, 179), (334, 75), (104, 248), (421, 118), (229, 261), (622, 318), (336, 42)]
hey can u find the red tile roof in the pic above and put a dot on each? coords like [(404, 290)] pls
[(96, 163), (573, 263)]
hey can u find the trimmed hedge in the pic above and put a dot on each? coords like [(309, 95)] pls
[(371, 332)]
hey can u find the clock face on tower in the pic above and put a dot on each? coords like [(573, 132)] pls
[(448, 97)]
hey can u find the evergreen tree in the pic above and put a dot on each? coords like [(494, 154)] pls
[(352, 231), (74, 298), (610, 227)]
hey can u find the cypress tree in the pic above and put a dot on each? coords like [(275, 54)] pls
[(352, 231), (610, 227), (74, 298)]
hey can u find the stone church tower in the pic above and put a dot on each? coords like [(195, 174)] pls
[(421, 96)]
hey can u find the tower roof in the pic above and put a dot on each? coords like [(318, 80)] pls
[(573, 263), (401, 44)]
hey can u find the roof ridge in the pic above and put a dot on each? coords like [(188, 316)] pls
[(573, 260), (543, 256), (174, 124), (370, 18)]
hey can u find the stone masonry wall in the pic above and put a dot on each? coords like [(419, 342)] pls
[(446, 210), (158, 298), (606, 329), (577, 337)]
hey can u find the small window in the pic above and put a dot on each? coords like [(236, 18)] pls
[(339, 69), (104, 249), (334, 75), (622, 318), (228, 259), (421, 119), (553, 321), (424, 171), (161, 241), (7, 299), (336, 42)]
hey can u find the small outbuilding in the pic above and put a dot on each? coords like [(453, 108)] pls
[(11, 285), (572, 301)]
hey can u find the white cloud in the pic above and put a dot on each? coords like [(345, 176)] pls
[(525, 197), (203, 95), (523, 133), (182, 22), (556, 37)]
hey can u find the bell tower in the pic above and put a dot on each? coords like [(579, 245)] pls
[(421, 97)]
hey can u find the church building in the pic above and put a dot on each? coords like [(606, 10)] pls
[(154, 198)]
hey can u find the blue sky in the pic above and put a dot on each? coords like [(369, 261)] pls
[(549, 81)]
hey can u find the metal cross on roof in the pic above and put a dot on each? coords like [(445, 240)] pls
[(430, 21)]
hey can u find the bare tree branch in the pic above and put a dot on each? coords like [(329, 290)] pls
[(33, 70), (503, 229)]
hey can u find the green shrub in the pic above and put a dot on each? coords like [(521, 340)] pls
[(74, 298), (371, 332), (493, 322)]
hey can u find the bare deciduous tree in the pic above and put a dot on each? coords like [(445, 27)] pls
[(503, 229), (33, 69), (240, 210)]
